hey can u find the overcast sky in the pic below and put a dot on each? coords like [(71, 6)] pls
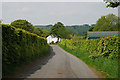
[(70, 13)]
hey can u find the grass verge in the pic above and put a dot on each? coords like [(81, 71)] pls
[(108, 68)]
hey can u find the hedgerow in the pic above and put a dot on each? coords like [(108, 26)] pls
[(109, 47), (20, 47), (105, 46), (101, 54)]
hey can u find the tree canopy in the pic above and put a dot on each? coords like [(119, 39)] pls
[(72, 29), (91, 29), (112, 4), (37, 31), (109, 22), (59, 30), (45, 33), (24, 24)]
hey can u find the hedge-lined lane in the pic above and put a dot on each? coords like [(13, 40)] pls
[(101, 54), (20, 47)]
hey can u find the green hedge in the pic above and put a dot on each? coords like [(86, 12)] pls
[(87, 45), (105, 46), (20, 47), (101, 54), (109, 47)]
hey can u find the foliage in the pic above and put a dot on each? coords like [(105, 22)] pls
[(20, 47), (89, 45), (0, 21), (101, 53), (37, 31), (109, 47), (79, 30), (58, 30), (85, 36), (112, 4), (92, 25), (74, 29), (69, 31), (109, 22), (43, 27), (107, 67), (76, 38), (52, 42), (23, 24), (45, 33), (91, 29), (105, 46)]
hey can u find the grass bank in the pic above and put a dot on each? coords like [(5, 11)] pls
[(86, 49)]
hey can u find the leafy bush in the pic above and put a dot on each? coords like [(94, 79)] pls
[(20, 47), (23, 24), (109, 47), (100, 53), (89, 45), (52, 42), (105, 46)]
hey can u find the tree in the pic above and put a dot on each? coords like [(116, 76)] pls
[(24, 24), (0, 21), (0, 25), (37, 31), (91, 29), (92, 25), (112, 4), (109, 22), (45, 33), (58, 30), (69, 31)]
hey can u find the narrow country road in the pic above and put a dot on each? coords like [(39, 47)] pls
[(60, 64)]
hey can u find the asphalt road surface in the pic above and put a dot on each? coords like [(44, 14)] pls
[(60, 64)]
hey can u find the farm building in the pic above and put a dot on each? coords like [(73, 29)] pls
[(98, 34), (51, 38)]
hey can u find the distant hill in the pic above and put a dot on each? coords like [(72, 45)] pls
[(43, 27), (76, 29), (79, 29)]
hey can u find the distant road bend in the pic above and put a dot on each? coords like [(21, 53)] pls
[(60, 64)]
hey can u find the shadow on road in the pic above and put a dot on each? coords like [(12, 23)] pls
[(31, 68), (40, 64)]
